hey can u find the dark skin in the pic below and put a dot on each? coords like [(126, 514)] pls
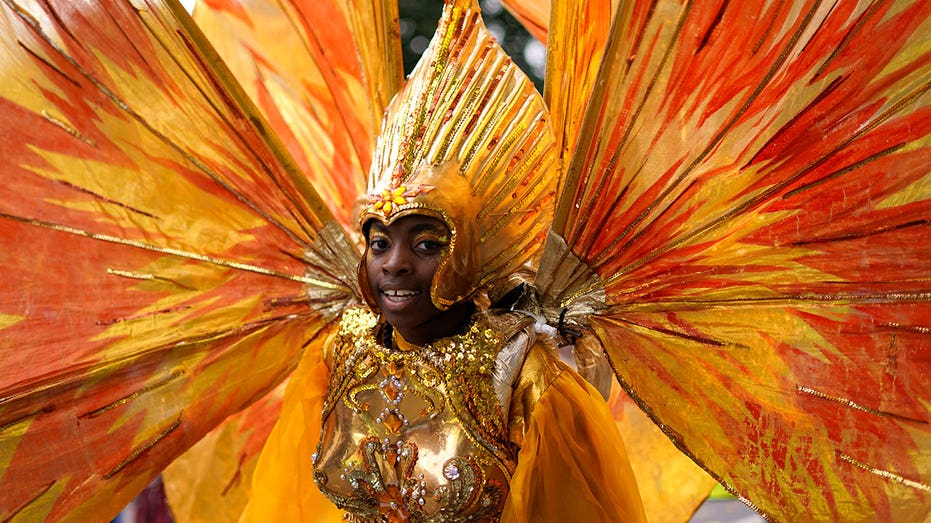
[(401, 260)]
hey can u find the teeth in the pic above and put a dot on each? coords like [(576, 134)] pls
[(400, 293)]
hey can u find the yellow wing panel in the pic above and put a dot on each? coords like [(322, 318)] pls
[(166, 263), (745, 214), (322, 73)]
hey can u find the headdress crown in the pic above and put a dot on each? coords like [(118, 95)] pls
[(467, 141)]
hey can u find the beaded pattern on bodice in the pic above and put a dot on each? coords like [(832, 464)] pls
[(415, 435)]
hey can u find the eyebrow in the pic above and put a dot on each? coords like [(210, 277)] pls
[(376, 226), (427, 227), (423, 227)]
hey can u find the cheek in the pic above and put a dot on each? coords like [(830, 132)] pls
[(371, 268), (427, 268)]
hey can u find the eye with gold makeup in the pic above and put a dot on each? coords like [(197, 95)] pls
[(378, 241), (431, 241)]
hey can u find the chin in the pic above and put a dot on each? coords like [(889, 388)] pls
[(404, 321)]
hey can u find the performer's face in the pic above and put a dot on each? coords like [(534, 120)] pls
[(401, 260)]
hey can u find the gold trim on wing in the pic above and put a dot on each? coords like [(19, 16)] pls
[(172, 252), (854, 405), (884, 473), (142, 449), (130, 397)]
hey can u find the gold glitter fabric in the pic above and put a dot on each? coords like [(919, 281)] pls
[(403, 423), (416, 433), (467, 141)]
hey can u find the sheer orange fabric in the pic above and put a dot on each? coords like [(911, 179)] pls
[(573, 465), (283, 486)]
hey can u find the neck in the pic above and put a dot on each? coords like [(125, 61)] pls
[(453, 321)]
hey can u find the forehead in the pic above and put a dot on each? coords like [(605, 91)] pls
[(410, 224)]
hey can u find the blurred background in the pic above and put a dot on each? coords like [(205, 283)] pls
[(418, 19)]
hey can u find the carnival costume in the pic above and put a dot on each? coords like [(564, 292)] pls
[(730, 199)]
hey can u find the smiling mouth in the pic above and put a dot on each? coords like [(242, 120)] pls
[(399, 295)]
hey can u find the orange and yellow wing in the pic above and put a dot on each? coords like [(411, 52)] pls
[(580, 31), (165, 262), (671, 486), (212, 481), (322, 73), (744, 227), (534, 15)]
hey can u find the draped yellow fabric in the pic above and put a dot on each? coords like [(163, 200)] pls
[(283, 486), (573, 465)]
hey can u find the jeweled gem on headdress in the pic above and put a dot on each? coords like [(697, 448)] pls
[(387, 201)]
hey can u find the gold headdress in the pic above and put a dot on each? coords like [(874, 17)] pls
[(467, 141)]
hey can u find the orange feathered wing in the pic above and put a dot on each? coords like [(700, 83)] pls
[(165, 261), (671, 486), (534, 15), (322, 73), (744, 228), (212, 481)]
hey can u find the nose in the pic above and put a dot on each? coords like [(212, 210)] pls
[(397, 260)]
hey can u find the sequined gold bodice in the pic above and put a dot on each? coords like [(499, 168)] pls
[(417, 434)]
